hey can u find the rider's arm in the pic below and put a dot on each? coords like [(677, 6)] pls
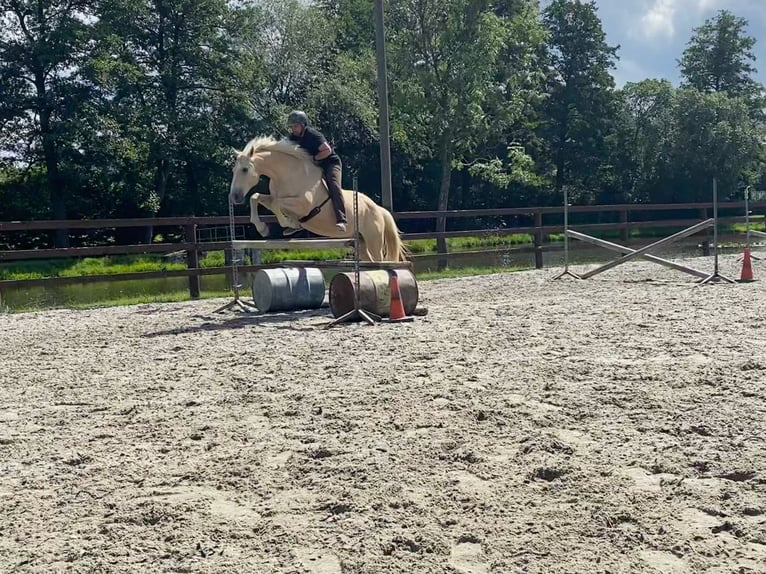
[(324, 151)]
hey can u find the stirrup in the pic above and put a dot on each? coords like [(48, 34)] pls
[(340, 226), (291, 230)]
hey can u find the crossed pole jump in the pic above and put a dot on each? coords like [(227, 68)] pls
[(629, 254)]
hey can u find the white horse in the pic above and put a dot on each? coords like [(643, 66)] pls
[(298, 197)]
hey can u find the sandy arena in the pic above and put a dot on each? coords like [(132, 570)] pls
[(524, 425)]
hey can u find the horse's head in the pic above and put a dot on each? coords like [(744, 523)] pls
[(244, 176)]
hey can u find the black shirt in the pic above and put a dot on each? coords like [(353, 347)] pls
[(311, 140)]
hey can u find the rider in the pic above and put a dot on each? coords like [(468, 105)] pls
[(325, 157)]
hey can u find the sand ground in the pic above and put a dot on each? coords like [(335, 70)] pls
[(524, 425)]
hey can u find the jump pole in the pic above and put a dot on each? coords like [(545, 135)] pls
[(566, 270), (627, 250), (356, 265), (635, 254), (715, 277)]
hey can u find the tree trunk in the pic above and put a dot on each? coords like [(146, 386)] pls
[(161, 176), (446, 178), (50, 155)]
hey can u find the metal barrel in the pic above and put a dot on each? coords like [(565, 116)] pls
[(288, 289), (374, 292)]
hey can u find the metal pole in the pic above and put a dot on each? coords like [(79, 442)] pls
[(235, 255), (715, 276), (357, 312), (566, 270), (747, 215), (566, 228), (385, 146), (715, 225)]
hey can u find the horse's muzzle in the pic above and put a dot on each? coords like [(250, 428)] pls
[(236, 196)]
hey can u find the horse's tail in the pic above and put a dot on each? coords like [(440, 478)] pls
[(393, 247)]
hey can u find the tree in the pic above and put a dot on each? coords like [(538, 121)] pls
[(719, 58), (579, 110), (295, 41), (42, 51), (642, 132), (711, 135), (172, 76), (510, 174), (444, 68)]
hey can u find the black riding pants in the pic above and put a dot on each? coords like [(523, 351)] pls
[(333, 171)]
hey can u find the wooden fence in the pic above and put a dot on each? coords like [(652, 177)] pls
[(625, 214)]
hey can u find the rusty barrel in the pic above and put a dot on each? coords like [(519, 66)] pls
[(374, 292), (288, 289)]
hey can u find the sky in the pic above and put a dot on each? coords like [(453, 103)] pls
[(652, 34)]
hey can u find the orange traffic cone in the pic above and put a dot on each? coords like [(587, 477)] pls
[(396, 308), (747, 267)]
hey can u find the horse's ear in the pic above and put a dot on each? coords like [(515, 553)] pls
[(236, 152), (252, 152)]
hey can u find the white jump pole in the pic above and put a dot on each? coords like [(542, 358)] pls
[(627, 250), (646, 249)]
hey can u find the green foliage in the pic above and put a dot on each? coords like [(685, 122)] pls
[(130, 108), (719, 58), (580, 109)]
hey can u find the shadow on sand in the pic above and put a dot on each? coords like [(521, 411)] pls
[(214, 322)]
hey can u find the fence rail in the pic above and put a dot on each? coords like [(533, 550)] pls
[(193, 247)]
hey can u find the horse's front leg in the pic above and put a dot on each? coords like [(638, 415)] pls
[(262, 228)]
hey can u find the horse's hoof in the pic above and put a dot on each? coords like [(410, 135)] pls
[(263, 229)]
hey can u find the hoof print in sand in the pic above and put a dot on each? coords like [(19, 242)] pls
[(664, 562), (318, 561), (467, 556)]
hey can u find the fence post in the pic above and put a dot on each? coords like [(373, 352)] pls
[(538, 239), (625, 231), (192, 259)]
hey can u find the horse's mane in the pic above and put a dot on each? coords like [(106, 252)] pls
[(268, 143)]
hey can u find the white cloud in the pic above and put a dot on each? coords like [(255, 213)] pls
[(658, 21), (660, 18)]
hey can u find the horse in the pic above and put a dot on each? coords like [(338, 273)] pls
[(298, 197)]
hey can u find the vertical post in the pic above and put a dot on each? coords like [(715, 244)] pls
[(192, 259), (747, 216), (538, 239), (385, 146), (715, 226), (624, 231)]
